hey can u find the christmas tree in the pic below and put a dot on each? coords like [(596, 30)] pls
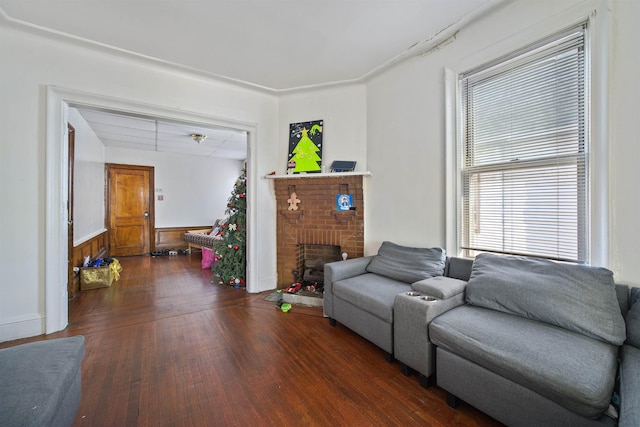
[(305, 154), (230, 250)]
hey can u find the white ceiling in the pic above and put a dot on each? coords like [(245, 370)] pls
[(276, 45), (149, 134), (272, 45)]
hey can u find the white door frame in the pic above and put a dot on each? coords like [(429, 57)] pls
[(58, 102)]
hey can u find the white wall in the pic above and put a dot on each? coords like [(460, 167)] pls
[(625, 144), (30, 64), (195, 189), (88, 186), (405, 153)]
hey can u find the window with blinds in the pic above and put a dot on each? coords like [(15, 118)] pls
[(524, 145)]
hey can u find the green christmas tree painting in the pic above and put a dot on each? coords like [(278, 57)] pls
[(230, 251), (305, 147)]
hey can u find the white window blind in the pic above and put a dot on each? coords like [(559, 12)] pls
[(524, 144)]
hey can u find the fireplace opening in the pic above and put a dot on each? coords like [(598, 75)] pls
[(311, 261), (308, 277)]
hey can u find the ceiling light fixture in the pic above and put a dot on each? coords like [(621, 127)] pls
[(198, 137)]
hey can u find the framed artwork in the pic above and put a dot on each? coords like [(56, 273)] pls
[(343, 166), (305, 147)]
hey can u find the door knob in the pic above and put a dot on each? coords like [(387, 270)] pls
[(146, 214)]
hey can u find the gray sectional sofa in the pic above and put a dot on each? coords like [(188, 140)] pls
[(530, 342)]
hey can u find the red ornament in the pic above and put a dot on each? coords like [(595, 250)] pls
[(223, 226), (236, 247), (241, 195)]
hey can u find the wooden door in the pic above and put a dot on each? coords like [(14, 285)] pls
[(130, 206)]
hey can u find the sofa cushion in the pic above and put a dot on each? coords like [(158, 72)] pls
[(408, 264), (372, 293), (579, 298), (632, 320), (573, 370)]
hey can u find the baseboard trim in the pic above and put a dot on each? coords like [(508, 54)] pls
[(23, 328)]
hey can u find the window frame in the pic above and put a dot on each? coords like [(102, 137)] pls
[(597, 68), (505, 173)]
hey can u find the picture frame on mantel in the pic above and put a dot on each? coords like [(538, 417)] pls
[(305, 147), (343, 166)]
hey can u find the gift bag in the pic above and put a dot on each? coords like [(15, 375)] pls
[(207, 258)]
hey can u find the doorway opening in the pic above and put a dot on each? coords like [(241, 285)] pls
[(57, 184)]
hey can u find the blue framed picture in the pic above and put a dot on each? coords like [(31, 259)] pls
[(344, 202)]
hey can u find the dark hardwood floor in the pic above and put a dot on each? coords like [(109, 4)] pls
[(165, 347)]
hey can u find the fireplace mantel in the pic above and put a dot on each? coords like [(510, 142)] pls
[(318, 175)]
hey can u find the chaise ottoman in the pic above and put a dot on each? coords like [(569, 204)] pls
[(40, 382)]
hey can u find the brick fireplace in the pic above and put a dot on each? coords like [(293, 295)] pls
[(317, 228)]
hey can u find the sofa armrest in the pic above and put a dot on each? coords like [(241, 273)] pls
[(449, 293), (340, 270), (441, 287), (412, 314)]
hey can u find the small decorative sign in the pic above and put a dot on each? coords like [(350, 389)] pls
[(344, 202)]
